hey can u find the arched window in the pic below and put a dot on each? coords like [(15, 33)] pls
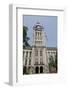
[(24, 70)]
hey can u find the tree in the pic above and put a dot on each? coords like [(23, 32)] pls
[(25, 38), (52, 65), (51, 62), (56, 61)]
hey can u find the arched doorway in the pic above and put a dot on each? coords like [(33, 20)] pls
[(41, 69), (37, 70), (29, 70), (24, 70)]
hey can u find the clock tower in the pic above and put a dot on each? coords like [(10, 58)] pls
[(39, 57)]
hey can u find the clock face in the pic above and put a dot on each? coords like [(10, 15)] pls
[(38, 26)]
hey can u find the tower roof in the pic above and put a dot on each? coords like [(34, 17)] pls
[(38, 26)]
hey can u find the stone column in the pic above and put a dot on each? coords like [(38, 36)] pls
[(32, 59), (39, 55), (24, 57), (28, 59), (45, 60)]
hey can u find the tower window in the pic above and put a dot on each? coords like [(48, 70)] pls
[(41, 61), (41, 53), (36, 33), (36, 60), (40, 33), (36, 52)]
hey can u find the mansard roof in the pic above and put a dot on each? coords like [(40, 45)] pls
[(48, 48), (29, 48), (51, 48)]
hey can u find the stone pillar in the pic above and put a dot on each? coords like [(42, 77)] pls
[(38, 55), (33, 59), (45, 61), (28, 59), (24, 57)]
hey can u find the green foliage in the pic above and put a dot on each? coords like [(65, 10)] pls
[(25, 38), (26, 70), (56, 61), (53, 63)]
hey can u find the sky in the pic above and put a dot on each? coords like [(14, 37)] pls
[(50, 27)]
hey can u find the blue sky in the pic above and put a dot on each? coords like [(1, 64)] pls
[(50, 26)]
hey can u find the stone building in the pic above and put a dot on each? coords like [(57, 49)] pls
[(36, 57)]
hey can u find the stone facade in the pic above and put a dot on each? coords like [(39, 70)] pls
[(36, 57)]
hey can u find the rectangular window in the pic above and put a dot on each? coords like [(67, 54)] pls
[(36, 60), (23, 54), (26, 54), (36, 33), (30, 54), (41, 61), (40, 53), (29, 61), (26, 62), (36, 52)]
